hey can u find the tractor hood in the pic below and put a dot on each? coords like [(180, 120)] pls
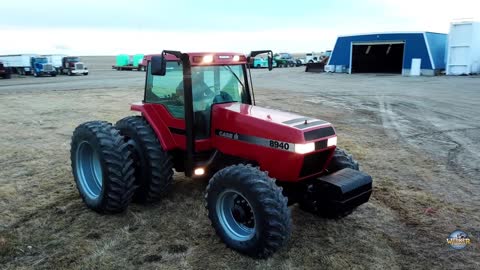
[(289, 146), (268, 123)]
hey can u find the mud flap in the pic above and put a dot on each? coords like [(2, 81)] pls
[(339, 193)]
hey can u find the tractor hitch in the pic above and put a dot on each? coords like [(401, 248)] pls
[(338, 193)]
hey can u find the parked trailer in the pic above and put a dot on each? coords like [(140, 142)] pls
[(18, 63), (127, 62)]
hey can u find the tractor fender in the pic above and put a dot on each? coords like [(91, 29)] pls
[(158, 125)]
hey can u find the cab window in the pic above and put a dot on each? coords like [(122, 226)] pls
[(165, 89)]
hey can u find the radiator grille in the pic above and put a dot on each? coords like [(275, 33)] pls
[(313, 163), (47, 67), (78, 66)]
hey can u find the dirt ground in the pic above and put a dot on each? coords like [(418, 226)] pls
[(418, 138)]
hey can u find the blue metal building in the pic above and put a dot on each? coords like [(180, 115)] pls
[(390, 53)]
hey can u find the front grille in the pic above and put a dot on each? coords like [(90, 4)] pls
[(78, 66), (313, 163), (318, 133), (47, 67)]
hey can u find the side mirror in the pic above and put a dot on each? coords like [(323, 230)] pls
[(269, 55), (158, 65)]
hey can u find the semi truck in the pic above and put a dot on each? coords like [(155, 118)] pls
[(128, 62), (72, 65), (41, 67), (28, 64), (5, 72)]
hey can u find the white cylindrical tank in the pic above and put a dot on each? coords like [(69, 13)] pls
[(463, 53)]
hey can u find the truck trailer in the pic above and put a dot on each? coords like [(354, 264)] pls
[(18, 63)]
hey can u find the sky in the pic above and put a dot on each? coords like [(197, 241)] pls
[(109, 27)]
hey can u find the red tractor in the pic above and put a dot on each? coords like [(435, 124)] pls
[(198, 116)]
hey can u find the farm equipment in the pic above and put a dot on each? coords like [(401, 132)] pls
[(284, 60), (5, 72), (71, 65), (198, 116), (127, 62), (318, 65)]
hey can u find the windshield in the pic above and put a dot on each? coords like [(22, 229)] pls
[(217, 84), (41, 60), (73, 59)]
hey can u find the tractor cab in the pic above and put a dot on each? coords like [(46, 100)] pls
[(182, 89)]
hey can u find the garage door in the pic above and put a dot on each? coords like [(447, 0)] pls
[(377, 58)]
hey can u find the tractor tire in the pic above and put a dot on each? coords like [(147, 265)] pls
[(342, 159), (69, 73), (102, 167), (248, 211), (153, 165)]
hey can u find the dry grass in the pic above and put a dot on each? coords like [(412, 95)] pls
[(44, 224)]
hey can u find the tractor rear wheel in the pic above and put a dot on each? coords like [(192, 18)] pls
[(248, 211), (102, 167), (153, 165)]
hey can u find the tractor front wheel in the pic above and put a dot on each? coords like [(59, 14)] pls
[(102, 167), (248, 211), (153, 165), (342, 159)]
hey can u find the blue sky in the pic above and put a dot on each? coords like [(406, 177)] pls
[(90, 27)]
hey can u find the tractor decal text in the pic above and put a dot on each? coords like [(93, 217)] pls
[(256, 140)]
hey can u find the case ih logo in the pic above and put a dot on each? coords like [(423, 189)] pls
[(227, 134)]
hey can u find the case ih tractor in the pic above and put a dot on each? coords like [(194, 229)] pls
[(198, 116)]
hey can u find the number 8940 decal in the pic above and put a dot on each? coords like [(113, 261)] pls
[(279, 145)]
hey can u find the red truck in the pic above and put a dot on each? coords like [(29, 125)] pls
[(5, 72)]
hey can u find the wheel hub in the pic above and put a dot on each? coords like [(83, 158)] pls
[(89, 170), (235, 215), (242, 212)]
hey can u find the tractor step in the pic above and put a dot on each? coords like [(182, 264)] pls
[(340, 192)]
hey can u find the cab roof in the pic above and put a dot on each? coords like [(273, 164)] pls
[(217, 58)]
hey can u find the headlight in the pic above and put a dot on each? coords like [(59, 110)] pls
[(304, 148), (208, 59), (332, 141)]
